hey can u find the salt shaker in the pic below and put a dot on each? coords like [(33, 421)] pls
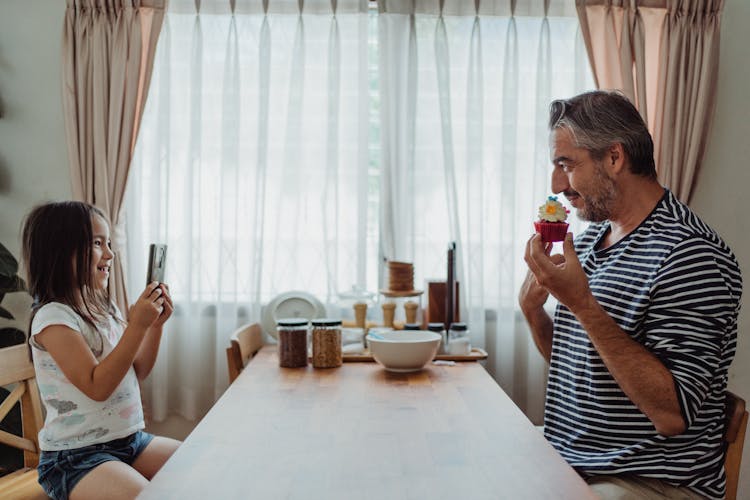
[(360, 314), (389, 311)]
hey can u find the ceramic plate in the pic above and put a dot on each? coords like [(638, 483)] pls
[(291, 305)]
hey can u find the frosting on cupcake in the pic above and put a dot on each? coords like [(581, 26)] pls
[(552, 210)]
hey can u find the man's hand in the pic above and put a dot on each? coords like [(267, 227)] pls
[(532, 296), (560, 275)]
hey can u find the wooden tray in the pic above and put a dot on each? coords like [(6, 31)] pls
[(476, 354)]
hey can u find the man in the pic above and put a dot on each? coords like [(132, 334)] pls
[(646, 325)]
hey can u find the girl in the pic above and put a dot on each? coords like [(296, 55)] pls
[(88, 363)]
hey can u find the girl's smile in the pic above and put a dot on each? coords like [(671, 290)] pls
[(101, 254)]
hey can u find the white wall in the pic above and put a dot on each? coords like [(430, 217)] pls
[(33, 161), (724, 183), (33, 156)]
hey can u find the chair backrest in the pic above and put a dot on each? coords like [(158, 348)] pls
[(734, 437), (244, 343), (17, 369)]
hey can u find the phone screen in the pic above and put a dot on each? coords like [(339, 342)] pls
[(157, 262)]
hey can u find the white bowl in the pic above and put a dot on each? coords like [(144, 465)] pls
[(404, 351)]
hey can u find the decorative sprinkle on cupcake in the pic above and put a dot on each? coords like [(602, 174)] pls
[(551, 224)]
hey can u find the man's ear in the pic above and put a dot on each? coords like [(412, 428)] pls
[(615, 158)]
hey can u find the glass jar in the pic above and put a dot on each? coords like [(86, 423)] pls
[(292, 334), (459, 343), (439, 328), (326, 343), (356, 301)]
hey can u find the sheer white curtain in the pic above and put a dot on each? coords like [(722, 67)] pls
[(285, 150), (251, 164), (466, 88)]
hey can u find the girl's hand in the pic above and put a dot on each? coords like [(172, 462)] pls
[(149, 306), (168, 307)]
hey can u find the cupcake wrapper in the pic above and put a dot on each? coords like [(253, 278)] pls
[(551, 231)]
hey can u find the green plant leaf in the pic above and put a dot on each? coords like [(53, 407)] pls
[(9, 284), (11, 336), (8, 263)]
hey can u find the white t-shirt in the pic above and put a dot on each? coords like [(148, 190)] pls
[(73, 419)]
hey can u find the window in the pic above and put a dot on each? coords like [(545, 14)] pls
[(296, 152)]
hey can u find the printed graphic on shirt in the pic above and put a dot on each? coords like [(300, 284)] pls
[(61, 406)]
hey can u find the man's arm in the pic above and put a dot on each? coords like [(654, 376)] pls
[(640, 374), (540, 325), (531, 298)]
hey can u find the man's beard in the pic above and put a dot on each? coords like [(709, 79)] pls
[(597, 206)]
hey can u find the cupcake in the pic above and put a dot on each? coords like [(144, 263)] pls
[(551, 224)]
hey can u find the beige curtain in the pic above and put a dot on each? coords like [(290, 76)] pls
[(107, 57), (664, 55)]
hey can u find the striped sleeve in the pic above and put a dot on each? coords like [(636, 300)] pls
[(690, 310)]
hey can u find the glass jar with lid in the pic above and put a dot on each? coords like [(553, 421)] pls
[(292, 334), (459, 343), (326, 343), (439, 328), (356, 301)]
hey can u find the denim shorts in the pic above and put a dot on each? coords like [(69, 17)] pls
[(60, 471)]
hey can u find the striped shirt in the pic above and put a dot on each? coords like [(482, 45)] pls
[(673, 286)]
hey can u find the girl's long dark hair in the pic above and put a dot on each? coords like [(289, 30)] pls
[(57, 242)]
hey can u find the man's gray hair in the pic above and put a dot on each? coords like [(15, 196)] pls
[(599, 119)]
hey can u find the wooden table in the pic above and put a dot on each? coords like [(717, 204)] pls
[(359, 432)]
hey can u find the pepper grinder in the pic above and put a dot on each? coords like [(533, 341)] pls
[(389, 310), (360, 313), (410, 307)]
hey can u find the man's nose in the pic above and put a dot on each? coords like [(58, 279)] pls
[(559, 181)]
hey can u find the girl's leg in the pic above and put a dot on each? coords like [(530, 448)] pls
[(153, 457), (112, 480)]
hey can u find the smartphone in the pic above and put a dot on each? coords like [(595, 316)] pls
[(157, 262)]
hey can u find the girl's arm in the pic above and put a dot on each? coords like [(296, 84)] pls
[(146, 356), (98, 379)]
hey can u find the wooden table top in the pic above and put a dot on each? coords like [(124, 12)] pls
[(359, 432)]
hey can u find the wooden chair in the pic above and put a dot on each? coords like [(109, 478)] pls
[(734, 437), (17, 369), (245, 342)]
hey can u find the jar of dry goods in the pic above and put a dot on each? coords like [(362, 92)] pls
[(326, 343), (292, 334)]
